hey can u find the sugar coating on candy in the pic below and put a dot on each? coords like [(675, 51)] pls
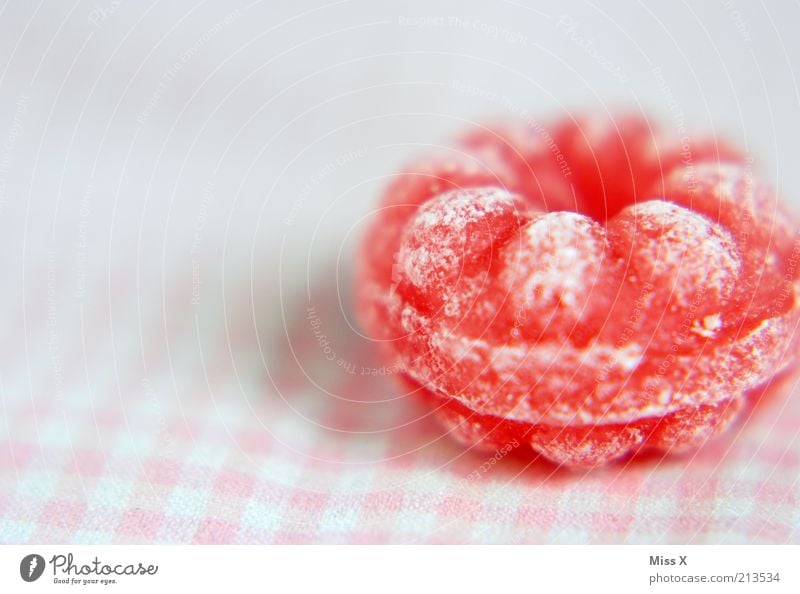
[(694, 262), (448, 238), (558, 251), (685, 252), (584, 289)]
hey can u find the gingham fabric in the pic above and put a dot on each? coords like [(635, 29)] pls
[(218, 450), (176, 278)]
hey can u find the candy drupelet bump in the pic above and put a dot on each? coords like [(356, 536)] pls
[(592, 289)]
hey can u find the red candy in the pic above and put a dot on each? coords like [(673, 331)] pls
[(591, 289)]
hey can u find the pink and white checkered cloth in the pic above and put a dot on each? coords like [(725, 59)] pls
[(176, 182), (221, 446)]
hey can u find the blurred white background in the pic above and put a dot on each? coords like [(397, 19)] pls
[(139, 110)]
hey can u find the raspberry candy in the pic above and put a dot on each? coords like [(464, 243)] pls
[(591, 290)]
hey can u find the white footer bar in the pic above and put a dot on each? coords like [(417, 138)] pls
[(401, 569)]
